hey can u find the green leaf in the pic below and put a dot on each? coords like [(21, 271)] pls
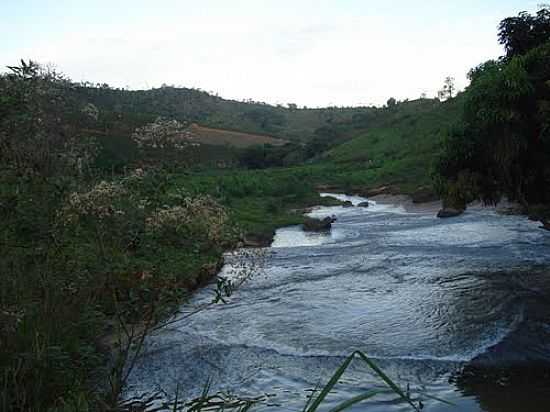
[(331, 383), (387, 379)]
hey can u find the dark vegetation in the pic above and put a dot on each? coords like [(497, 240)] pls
[(80, 253), (89, 253), (501, 146), (137, 107), (109, 220)]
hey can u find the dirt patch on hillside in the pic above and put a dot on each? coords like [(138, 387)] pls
[(211, 136)]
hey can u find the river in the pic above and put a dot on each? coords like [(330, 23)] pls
[(458, 308)]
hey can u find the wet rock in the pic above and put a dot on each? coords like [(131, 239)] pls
[(449, 212), (511, 210), (424, 194), (347, 203), (545, 224), (363, 204), (318, 225), (539, 212), (256, 240), (382, 190), (330, 201)]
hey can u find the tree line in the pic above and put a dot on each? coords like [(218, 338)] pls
[(501, 146)]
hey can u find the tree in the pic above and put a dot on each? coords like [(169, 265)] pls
[(33, 102), (448, 90), (524, 32), (502, 146), (391, 103)]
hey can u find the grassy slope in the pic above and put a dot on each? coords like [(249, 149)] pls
[(397, 149), (381, 146), (141, 106)]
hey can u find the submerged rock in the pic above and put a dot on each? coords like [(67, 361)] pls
[(364, 204), (315, 225), (449, 212)]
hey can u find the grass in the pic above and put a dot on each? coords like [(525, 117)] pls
[(399, 148), (258, 201), (370, 147), (316, 403)]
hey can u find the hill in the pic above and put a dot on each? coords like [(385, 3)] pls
[(216, 137), (359, 146), (137, 107), (399, 145)]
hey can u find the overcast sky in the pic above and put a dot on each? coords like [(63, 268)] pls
[(314, 53)]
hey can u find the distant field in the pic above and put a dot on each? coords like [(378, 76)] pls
[(211, 136)]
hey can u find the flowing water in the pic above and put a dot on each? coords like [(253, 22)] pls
[(459, 308)]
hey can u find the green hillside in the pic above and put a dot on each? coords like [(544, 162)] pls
[(399, 145), (184, 104)]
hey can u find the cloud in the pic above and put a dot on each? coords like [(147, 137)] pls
[(310, 53)]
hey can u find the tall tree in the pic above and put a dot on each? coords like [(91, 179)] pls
[(448, 90), (502, 146), (524, 32)]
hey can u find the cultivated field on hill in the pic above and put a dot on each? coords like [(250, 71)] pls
[(212, 136)]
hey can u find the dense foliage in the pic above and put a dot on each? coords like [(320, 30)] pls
[(502, 146), (87, 255), (524, 32)]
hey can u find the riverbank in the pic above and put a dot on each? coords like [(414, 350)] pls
[(423, 199), (132, 248), (253, 216), (92, 258), (424, 297)]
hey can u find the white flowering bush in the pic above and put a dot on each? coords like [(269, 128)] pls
[(196, 218), (141, 238), (162, 134), (129, 211), (91, 111), (98, 203)]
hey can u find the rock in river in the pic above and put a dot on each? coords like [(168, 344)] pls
[(449, 212), (315, 225), (363, 204)]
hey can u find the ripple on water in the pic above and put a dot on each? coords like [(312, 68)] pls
[(423, 296)]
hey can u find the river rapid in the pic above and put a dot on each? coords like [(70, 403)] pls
[(459, 308)]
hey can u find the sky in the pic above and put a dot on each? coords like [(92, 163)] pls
[(311, 53)]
